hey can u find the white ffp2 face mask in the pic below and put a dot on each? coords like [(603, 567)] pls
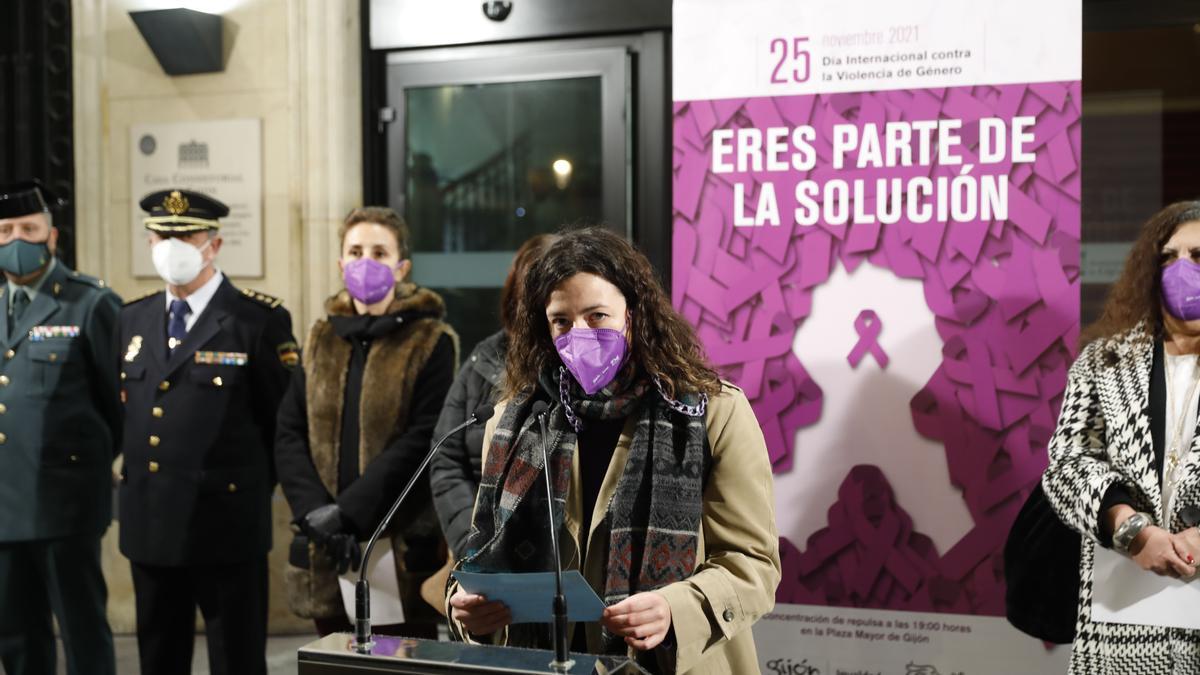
[(178, 262)]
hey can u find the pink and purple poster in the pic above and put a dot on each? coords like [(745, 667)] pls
[(877, 235)]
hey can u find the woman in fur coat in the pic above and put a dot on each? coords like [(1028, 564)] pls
[(357, 422), (1124, 467)]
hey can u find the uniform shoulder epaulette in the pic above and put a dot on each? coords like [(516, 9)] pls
[(261, 298), (143, 296), (86, 279)]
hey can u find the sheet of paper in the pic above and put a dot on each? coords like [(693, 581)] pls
[(386, 608), (1122, 592), (530, 595)]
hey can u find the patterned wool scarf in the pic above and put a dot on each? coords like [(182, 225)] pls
[(653, 520)]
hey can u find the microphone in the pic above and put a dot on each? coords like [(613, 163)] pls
[(562, 659), (362, 590)]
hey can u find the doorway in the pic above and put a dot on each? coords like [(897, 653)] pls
[(485, 146)]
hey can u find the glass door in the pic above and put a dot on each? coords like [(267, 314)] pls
[(489, 146), (1141, 129)]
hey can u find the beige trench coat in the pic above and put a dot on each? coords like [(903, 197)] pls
[(734, 583)]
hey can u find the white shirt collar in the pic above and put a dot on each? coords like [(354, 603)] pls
[(198, 300)]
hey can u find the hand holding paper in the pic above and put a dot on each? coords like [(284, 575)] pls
[(1123, 592), (529, 596), (477, 614), (1155, 550)]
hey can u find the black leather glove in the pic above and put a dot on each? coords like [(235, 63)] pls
[(324, 522), (330, 530), (345, 551)]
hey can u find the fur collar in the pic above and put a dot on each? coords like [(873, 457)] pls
[(409, 298), (389, 377)]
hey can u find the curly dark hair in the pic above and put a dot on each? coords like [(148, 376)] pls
[(662, 343), (1136, 295)]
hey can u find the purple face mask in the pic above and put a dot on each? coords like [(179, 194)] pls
[(367, 280), (1181, 290), (593, 355)]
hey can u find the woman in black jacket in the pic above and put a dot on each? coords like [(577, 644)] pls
[(454, 472), (357, 421)]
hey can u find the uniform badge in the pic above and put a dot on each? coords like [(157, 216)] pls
[(175, 203), (134, 348), (289, 354), (222, 358), (43, 333)]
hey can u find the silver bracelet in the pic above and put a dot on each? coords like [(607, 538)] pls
[(1129, 530)]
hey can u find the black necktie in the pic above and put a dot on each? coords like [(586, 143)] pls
[(20, 302)]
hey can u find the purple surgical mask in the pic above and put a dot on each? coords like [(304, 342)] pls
[(368, 280), (1181, 290), (593, 355)]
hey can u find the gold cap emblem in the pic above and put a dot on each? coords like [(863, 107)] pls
[(175, 203)]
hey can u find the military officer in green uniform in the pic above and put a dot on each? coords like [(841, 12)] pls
[(203, 367), (60, 421)]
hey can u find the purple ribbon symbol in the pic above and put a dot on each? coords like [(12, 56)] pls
[(868, 326)]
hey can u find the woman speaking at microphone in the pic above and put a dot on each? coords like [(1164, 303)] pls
[(661, 479), (356, 424)]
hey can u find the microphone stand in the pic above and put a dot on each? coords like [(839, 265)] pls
[(562, 659), (362, 589)]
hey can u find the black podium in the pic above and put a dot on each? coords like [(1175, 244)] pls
[(335, 655)]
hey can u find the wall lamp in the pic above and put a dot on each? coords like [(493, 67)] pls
[(184, 41)]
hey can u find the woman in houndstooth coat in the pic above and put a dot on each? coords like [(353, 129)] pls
[(1125, 459)]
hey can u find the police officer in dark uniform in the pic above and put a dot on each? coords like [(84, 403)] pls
[(203, 367), (60, 420)]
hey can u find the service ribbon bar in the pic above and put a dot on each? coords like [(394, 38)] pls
[(222, 358), (43, 333)]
